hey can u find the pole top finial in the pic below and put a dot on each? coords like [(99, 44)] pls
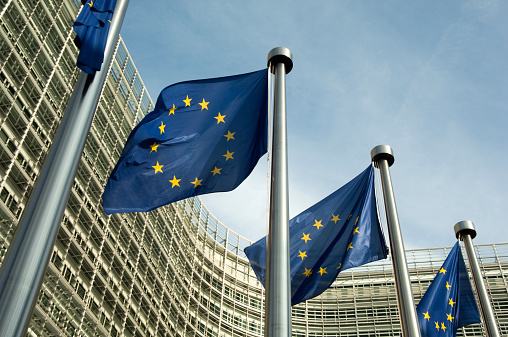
[(281, 55), (382, 152), (464, 227)]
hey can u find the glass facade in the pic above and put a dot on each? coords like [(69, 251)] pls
[(175, 271)]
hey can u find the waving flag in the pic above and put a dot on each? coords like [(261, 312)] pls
[(340, 232), (92, 28), (203, 136)]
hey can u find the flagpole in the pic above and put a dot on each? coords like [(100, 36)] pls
[(465, 231), (382, 156), (27, 258), (278, 282)]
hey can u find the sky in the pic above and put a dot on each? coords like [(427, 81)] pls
[(428, 78)]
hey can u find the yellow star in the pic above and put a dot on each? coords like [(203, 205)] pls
[(306, 237), (154, 147), (426, 315), (437, 325), (204, 105), (357, 218), (443, 327), (317, 224), (350, 246), (450, 318), (302, 254), (442, 271), (349, 217), (172, 110), (216, 170), (308, 272), (187, 101), (91, 3), (228, 155), (335, 218), (322, 271), (340, 265), (448, 286), (175, 182), (220, 118), (197, 182), (450, 302), (158, 168), (162, 127), (356, 231), (230, 135)]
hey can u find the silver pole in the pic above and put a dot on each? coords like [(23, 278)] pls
[(27, 258), (466, 232), (278, 283), (382, 156)]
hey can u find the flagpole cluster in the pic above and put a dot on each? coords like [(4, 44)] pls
[(465, 231), (278, 283), (28, 255), (382, 156)]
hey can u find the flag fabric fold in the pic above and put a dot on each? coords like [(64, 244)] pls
[(203, 136), (449, 302), (340, 232), (92, 28)]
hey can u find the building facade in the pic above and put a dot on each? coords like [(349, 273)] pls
[(175, 271)]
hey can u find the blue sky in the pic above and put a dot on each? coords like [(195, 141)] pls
[(430, 79)]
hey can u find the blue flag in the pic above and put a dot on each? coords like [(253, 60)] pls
[(203, 136), (449, 302), (340, 232), (92, 28)]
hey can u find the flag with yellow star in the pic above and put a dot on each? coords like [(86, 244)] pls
[(92, 28), (340, 232), (449, 302), (203, 136)]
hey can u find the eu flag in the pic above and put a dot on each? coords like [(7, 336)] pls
[(92, 27), (203, 136), (340, 232), (449, 302)]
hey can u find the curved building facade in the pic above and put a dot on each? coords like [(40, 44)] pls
[(175, 271)]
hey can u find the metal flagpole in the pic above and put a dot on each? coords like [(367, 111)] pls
[(278, 283), (382, 156), (27, 258), (466, 232)]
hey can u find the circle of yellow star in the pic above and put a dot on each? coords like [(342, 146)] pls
[(172, 110), (317, 224), (187, 101), (308, 272), (216, 170), (204, 105), (175, 182), (322, 271), (426, 316), (335, 218), (228, 155), (154, 147), (306, 237), (162, 127), (302, 254), (197, 182), (230, 135), (220, 118), (158, 168)]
